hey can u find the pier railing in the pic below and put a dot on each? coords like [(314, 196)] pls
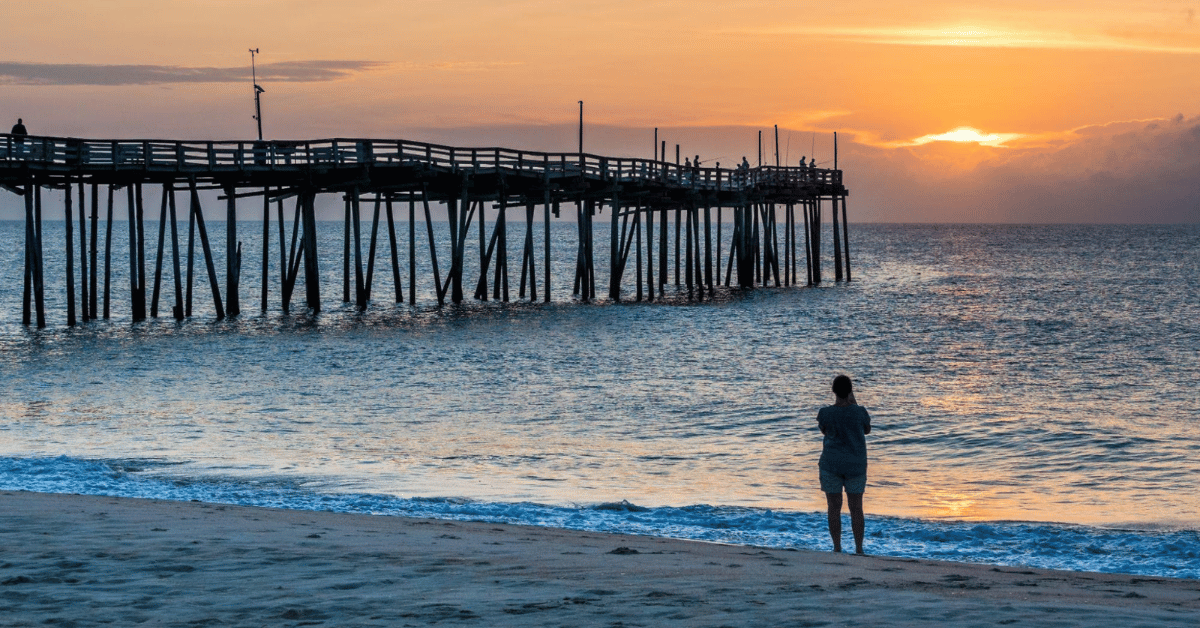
[(204, 157)]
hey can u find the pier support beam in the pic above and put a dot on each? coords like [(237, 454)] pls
[(312, 270), (233, 254)]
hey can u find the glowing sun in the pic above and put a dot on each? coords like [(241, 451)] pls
[(965, 134)]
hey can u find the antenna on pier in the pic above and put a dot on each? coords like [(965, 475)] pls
[(257, 91)]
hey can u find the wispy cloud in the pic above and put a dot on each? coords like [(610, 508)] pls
[(12, 73), (967, 35)]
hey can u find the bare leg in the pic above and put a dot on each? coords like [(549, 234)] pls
[(835, 518), (857, 522)]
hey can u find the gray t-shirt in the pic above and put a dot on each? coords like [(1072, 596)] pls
[(845, 429)]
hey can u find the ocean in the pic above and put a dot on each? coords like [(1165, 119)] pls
[(1033, 391)]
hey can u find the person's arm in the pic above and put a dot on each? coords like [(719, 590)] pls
[(867, 423)]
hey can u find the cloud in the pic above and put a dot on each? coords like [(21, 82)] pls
[(1126, 172), (12, 73)]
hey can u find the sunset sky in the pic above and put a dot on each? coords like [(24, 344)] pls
[(1017, 111)]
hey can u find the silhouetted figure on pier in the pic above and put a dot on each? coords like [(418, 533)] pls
[(843, 464), (19, 132)]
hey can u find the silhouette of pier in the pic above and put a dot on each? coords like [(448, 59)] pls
[(766, 203)]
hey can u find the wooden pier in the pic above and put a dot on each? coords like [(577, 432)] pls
[(766, 247)]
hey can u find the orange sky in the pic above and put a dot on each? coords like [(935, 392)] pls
[(1079, 111)]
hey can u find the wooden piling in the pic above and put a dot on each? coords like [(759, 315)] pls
[(708, 249), (846, 238), (367, 283), (198, 214), (649, 252), (158, 259), (108, 227), (359, 277), (27, 290), (837, 242), (193, 202), (169, 190), (84, 301), (412, 251), (39, 276), (397, 284), (233, 254), (266, 246), (662, 250), (312, 270), (284, 267), (93, 310), (293, 256), (346, 251), (678, 226), (140, 299), (70, 257)]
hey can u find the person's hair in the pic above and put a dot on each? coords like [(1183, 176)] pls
[(842, 386)]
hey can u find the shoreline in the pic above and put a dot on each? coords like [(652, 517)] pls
[(88, 560)]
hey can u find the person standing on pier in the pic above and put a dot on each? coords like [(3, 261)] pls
[(19, 132), (843, 464)]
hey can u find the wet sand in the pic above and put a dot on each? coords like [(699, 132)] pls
[(69, 560)]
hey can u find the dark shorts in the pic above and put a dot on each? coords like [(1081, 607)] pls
[(836, 483)]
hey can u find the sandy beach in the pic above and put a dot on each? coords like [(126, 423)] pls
[(70, 560)]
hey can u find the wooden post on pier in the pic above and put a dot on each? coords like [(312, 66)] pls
[(688, 258), (359, 278), (233, 254), (837, 241), (662, 251), (787, 245), (34, 288), (438, 290), (397, 284), (312, 270), (371, 251), (412, 250), (816, 239), (158, 259), (546, 223), (845, 237), (70, 257), (169, 190), (284, 267), (708, 249), (266, 246), (108, 227), (93, 309), (678, 226), (84, 301), (808, 260), (198, 215), (650, 253), (131, 210), (527, 257), (291, 263), (637, 228), (193, 203), (346, 250)]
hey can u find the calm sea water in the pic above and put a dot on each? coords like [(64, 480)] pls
[(1033, 391)]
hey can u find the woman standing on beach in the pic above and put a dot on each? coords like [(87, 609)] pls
[(843, 463)]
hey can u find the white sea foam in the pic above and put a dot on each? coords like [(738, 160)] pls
[(1053, 546)]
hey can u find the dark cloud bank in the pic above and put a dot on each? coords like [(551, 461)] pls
[(1123, 173), (113, 75)]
